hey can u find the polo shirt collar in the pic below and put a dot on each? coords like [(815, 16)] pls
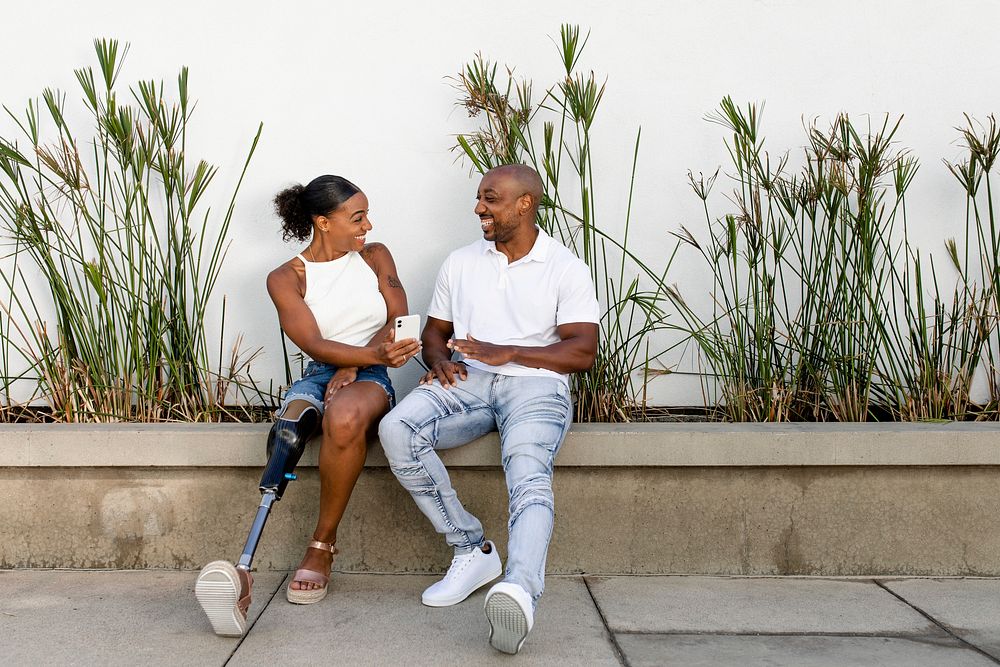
[(538, 253)]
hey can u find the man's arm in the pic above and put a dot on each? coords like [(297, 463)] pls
[(575, 351), (437, 355)]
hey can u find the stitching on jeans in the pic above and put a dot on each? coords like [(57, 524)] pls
[(444, 407), (545, 502), (434, 484), (437, 492), (420, 470), (493, 393), (437, 418), (432, 422)]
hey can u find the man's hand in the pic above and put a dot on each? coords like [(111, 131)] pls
[(340, 379), (445, 372), (488, 353)]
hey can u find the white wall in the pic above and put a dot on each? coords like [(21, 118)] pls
[(359, 89)]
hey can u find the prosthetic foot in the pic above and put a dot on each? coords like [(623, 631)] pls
[(224, 590)]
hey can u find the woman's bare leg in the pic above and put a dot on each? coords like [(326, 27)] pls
[(295, 409), (350, 416)]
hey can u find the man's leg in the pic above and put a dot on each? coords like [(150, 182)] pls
[(431, 418), (534, 414)]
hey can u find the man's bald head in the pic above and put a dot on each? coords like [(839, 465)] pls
[(522, 178), (507, 205)]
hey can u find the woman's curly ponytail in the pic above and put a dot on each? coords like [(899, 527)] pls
[(297, 205)]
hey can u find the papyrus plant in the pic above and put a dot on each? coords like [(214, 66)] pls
[(978, 258), (115, 253), (821, 308), (553, 135)]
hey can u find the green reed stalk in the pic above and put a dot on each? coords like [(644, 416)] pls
[(114, 225), (979, 264), (822, 308)]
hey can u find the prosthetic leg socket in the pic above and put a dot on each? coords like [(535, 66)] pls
[(285, 444)]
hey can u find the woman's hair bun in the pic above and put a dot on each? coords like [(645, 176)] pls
[(295, 222), (297, 205)]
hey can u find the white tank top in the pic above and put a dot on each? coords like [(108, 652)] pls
[(344, 298)]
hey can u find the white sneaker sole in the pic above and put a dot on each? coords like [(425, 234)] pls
[(508, 624), (455, 599), (218, 591)]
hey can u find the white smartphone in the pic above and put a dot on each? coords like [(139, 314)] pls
[(407, 326)]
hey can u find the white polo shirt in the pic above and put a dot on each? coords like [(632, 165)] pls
[(518, 303)]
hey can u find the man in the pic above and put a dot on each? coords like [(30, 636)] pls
[(534, 300)]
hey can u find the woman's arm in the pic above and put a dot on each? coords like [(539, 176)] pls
[(300, 326), (380, 260)]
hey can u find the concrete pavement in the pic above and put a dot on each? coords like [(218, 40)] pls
[(150, 617)]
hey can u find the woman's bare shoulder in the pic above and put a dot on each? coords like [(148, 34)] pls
[(376, 254), (286, 276)]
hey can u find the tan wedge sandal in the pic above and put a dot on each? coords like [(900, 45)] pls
[(316, 594)]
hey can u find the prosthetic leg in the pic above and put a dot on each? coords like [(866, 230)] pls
[(224, 590)]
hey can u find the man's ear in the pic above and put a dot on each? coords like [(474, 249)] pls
[(524, 203)]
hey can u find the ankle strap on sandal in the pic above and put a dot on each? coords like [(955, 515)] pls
[(324, 546)]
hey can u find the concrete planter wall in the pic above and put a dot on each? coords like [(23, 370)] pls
[(820, 499)]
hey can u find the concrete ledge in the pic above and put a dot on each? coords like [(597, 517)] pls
[(588, 445), (811, 499)]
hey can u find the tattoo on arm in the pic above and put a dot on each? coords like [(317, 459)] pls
[(393, 281)]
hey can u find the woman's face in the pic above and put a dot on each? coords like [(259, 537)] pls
[(346, 226)]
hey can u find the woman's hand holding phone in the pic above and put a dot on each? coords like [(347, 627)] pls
[(403, 343), (394, 353)]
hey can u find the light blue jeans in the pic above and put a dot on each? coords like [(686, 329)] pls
[(532, 414)]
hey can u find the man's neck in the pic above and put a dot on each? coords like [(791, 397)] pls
[(520, 245)]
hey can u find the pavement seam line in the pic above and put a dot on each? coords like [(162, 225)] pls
[(804, 633), (935, 621), (619, 653), (246, 634)]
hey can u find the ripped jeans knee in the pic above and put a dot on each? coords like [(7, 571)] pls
[(532, 490)]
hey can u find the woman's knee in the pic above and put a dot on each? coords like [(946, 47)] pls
[(346, 419)]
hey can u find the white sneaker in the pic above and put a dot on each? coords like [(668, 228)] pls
[(467, 573), (510, 613)]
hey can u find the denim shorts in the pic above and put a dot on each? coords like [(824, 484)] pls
[(312, 386)]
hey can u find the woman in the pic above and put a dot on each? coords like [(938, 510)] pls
[(337, 301)]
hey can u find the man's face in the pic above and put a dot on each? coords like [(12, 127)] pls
[(496, 206)]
